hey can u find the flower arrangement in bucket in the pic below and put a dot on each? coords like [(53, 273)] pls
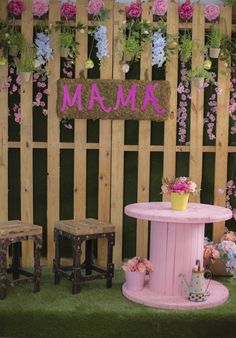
[(179, 190), (135, 270)]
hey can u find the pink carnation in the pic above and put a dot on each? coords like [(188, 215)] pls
[(211, 12), (179, 187), (40, 7), (192, 186), (68, 10), (159, 7), (16, 7), (186, 11), (210, 252), (134, 10), (141, 267), (94, 6)]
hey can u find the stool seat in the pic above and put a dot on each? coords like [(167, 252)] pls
[(13, 229), (89, 226)]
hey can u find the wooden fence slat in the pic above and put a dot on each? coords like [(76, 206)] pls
[(26, 155), (222, 126), (197, 102), (118, 132), (53, 135), (144, 147), (80, 153), (171, 76), (104, 189), (3, 133)]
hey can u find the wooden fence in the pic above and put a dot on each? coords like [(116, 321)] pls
[(111, 146)]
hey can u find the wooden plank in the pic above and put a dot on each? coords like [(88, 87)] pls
[(222, 126), (53, 135), (171, 76), (26, 155), (118, 131), (197, 102), (80, 125), (144, 148), (104, 188), (3, 133)]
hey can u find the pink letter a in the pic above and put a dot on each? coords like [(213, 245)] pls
[(95, 96), (149, 97)]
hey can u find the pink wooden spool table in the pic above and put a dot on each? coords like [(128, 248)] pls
[(176, 242)]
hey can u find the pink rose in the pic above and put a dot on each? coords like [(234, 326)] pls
[(159, 7), (148, 265), (186, 11), (68, 10), (134, 10), (94, 6), (229, 236), (211, 12), (165, 189), (40, 7), (210, 252), (179, 187), (192, 186), (16, 7), (141, 267)]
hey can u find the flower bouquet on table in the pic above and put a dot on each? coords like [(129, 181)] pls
[(135, 270), (179, 190), (220, 258)]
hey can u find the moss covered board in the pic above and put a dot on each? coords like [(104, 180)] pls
[(113, 99)]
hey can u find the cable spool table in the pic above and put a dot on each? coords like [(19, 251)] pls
[(176, 242)]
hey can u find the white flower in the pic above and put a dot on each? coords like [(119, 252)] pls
[(158, 49), (125, 68), (82, 31)]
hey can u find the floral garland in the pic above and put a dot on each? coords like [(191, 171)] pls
[(43, 49), (102, 42), (158, 49), (232, 103), (230, 195)]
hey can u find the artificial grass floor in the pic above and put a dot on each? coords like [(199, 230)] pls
[(100, 312)]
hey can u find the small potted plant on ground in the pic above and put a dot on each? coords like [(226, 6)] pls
[(198, 77), (214, 43), (179, 190), (185, 47), (26, 63), (135, 270)]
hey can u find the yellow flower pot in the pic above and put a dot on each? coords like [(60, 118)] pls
[(179, 201)]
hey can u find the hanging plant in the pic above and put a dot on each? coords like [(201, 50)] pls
[(214, 42), (3, 42), (186, 47), (198, 77), (26, 64)]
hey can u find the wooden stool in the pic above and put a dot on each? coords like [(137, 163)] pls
[(13, 232), (78, 231)]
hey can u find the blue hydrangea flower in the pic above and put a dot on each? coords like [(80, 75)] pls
[(158, 49), (102, 42), (43, 48)]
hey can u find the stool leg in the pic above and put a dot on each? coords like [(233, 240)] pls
[(15, 260), (37, 266), (3, 268), (88, 258), (76, 248), (56, 261), (110, 265)]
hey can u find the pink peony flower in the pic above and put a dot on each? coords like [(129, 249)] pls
[(165, 189), (210, 252), (159, 7), (148, 264), (179, 187), (16, 7), (134, 10), (68, 10), (40, 7), (186, 11), (141, 267), (211, 12), (192, 186), (94, 6)]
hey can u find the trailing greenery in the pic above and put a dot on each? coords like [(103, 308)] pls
[(27, 59), (198, 72), (214, 38), (186, 47)]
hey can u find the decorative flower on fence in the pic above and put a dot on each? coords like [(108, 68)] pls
[(95, 6), (158, 49), (211, 12), (43, 49), (40, 7), (16, 7), (186, 11), (159, 7), (232, 103), (134, 10), (102, 42), (68, 10)]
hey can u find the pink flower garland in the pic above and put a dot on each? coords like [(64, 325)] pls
[(232, 103), (159, 7), (40, 7), (134, 10), (231, 194), (94, 6), (68, 10), (211, 12), (16, 7), (186, 11)]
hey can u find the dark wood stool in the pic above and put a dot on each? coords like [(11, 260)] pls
[(78, 231), (13, 232)]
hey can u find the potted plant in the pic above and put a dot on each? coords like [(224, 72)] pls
[(16, 42), (135, 270), (185, 47), (198, 77), (26, 63), (214, 43), (179, 190), (3, 42)]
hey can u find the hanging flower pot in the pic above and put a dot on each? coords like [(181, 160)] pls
[(134, 280), (13, 51), (214, 53), (179, 201), (25, 76), (198, 82), (65, 52)]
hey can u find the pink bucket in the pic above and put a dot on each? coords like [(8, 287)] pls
[(134, 280)]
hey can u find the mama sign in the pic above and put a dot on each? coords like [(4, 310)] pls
[(113, 99)]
